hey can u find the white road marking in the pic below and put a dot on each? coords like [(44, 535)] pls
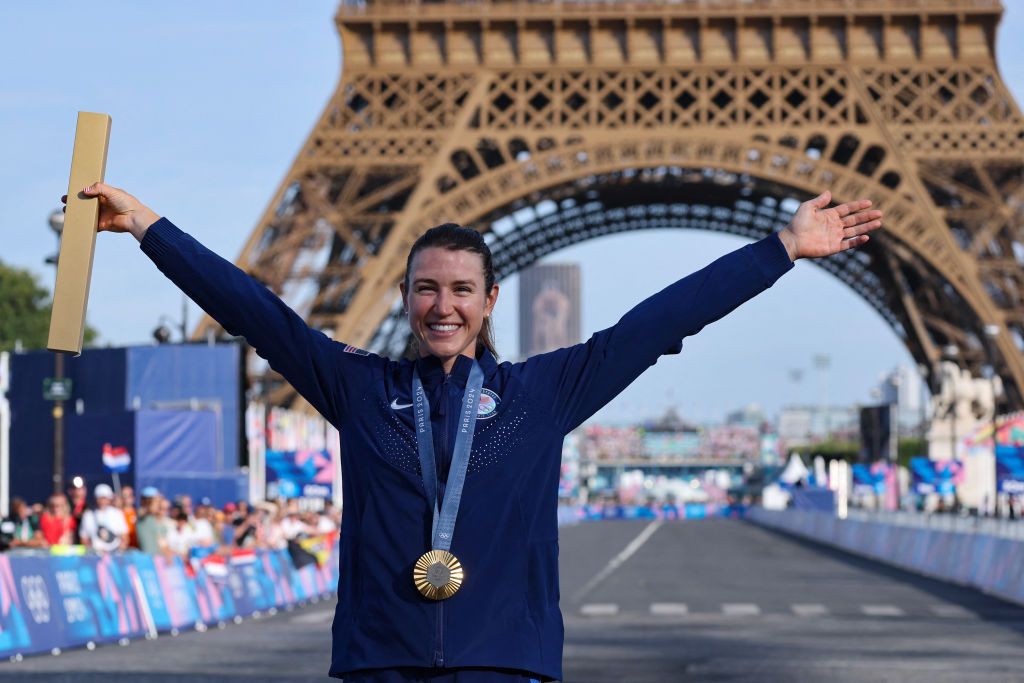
[(882, 611), (669, 609), (599, 609), (617, 561), (952, 612), (740, 609), (313, 618), (809, 610)]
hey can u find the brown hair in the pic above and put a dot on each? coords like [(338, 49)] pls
[(454, 237)]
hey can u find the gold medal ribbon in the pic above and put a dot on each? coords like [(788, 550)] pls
[(438, 574)]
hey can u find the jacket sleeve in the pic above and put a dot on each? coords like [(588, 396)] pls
[(575, 382), (323, 371)]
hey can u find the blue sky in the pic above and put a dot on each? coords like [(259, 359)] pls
[(212, 100)]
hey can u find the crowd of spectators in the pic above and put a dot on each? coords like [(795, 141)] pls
[(603, 443), (158, 524)]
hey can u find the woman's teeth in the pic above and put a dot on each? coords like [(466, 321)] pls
[(443, 328)]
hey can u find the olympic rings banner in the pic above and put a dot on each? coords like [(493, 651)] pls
[(59, 602)]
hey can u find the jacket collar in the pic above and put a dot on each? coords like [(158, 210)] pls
[(432, 372)]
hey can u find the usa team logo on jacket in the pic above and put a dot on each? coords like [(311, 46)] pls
[(488, 405)]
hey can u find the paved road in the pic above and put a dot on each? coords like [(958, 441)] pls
[(719, 600), (710, 600)]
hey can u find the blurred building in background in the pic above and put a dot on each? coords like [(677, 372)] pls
[(904, 388), (549, 308), (801, 425)]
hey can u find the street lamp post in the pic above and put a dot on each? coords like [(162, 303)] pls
[(56, 221), (991, 332), (894, 419), (924, 394), (822, 362), (951, 351), (162, 335)]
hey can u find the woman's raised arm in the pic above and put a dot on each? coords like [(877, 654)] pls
[(319, 368), (576, 382)]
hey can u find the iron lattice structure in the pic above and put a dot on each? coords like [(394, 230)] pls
[(587, 118)]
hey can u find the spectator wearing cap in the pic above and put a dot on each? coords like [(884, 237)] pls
[(151, 530), (21, 528), (104, 528), (56, 522)]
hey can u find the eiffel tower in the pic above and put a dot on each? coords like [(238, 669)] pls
[(703, 114)]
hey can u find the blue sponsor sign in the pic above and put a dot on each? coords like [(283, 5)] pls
[(868, 480), (299, 474), (935, 476), (1010, 469)]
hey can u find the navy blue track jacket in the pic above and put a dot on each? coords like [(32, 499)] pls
[(506, 614)]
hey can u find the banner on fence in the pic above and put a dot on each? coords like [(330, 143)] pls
[(1010, 469), (295, 474), (65, 601), (936, 476)]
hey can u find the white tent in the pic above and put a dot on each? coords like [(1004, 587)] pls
[(795, 470)]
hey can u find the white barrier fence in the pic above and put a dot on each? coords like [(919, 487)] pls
[(990, 563), (1005, 528)]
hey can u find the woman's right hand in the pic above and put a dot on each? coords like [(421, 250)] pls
[(119, 211)]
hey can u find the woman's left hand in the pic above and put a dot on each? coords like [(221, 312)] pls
[(819, 231)]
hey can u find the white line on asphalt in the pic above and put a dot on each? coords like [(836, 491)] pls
[(669, 609), (740, 609), (882, 611), (313, 617), (809, 610), (952, 611), (602, 609), (617, 561)]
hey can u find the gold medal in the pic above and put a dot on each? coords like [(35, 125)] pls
[(437, 575)]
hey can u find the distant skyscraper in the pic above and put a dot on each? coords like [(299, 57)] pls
[(549, 308)]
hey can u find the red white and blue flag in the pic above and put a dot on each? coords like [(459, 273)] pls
[(116, 458)]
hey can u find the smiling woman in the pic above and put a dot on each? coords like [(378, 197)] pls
[(449, 541), (449, 293)]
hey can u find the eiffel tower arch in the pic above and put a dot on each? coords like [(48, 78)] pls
[(589, 118)]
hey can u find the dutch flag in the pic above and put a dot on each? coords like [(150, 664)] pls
[(242, 556), (116, 458)]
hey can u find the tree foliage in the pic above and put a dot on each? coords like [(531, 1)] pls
[(25, 310), (908, 447)]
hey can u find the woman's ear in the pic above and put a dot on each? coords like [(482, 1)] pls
[(405, 300), (492, 298)]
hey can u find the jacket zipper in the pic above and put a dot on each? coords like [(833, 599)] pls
[(439, 630)]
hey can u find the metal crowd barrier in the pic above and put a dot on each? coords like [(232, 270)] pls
[(1002, 528), (49, 603)]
